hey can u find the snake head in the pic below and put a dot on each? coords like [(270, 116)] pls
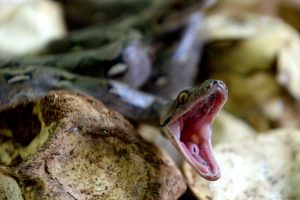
[(187, 121)]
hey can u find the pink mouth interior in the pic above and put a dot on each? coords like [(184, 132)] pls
[(194, 137)]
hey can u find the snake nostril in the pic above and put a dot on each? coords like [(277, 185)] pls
[(216, 82)]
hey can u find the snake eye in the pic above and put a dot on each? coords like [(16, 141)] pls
[(182, 97)]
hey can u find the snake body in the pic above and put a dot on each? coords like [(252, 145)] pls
[(27, 83), (186, 120)]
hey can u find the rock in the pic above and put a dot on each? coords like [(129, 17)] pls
[(9, 188), (257, 57), (229, 128), (263, 167), (27, 26), (75, 148)]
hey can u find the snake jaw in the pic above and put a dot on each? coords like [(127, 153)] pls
[(196, 148), (191, 132)]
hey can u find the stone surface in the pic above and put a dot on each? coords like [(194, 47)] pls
[(82, 150), (265, 166)]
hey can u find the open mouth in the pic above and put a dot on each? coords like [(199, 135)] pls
[(191, 132)]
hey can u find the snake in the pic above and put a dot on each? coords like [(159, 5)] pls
[(185, 115), (186, 120)]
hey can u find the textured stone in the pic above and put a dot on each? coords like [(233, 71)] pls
[(82, 150)]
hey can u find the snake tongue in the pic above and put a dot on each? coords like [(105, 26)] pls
[(193, 140)]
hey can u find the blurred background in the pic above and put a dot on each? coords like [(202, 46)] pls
[(161, 47), (251, 45)]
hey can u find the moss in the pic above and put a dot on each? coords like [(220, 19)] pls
[(39, 140), (25, 134), (20, 126), (51, 109), (7, 152), (153, 190)]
